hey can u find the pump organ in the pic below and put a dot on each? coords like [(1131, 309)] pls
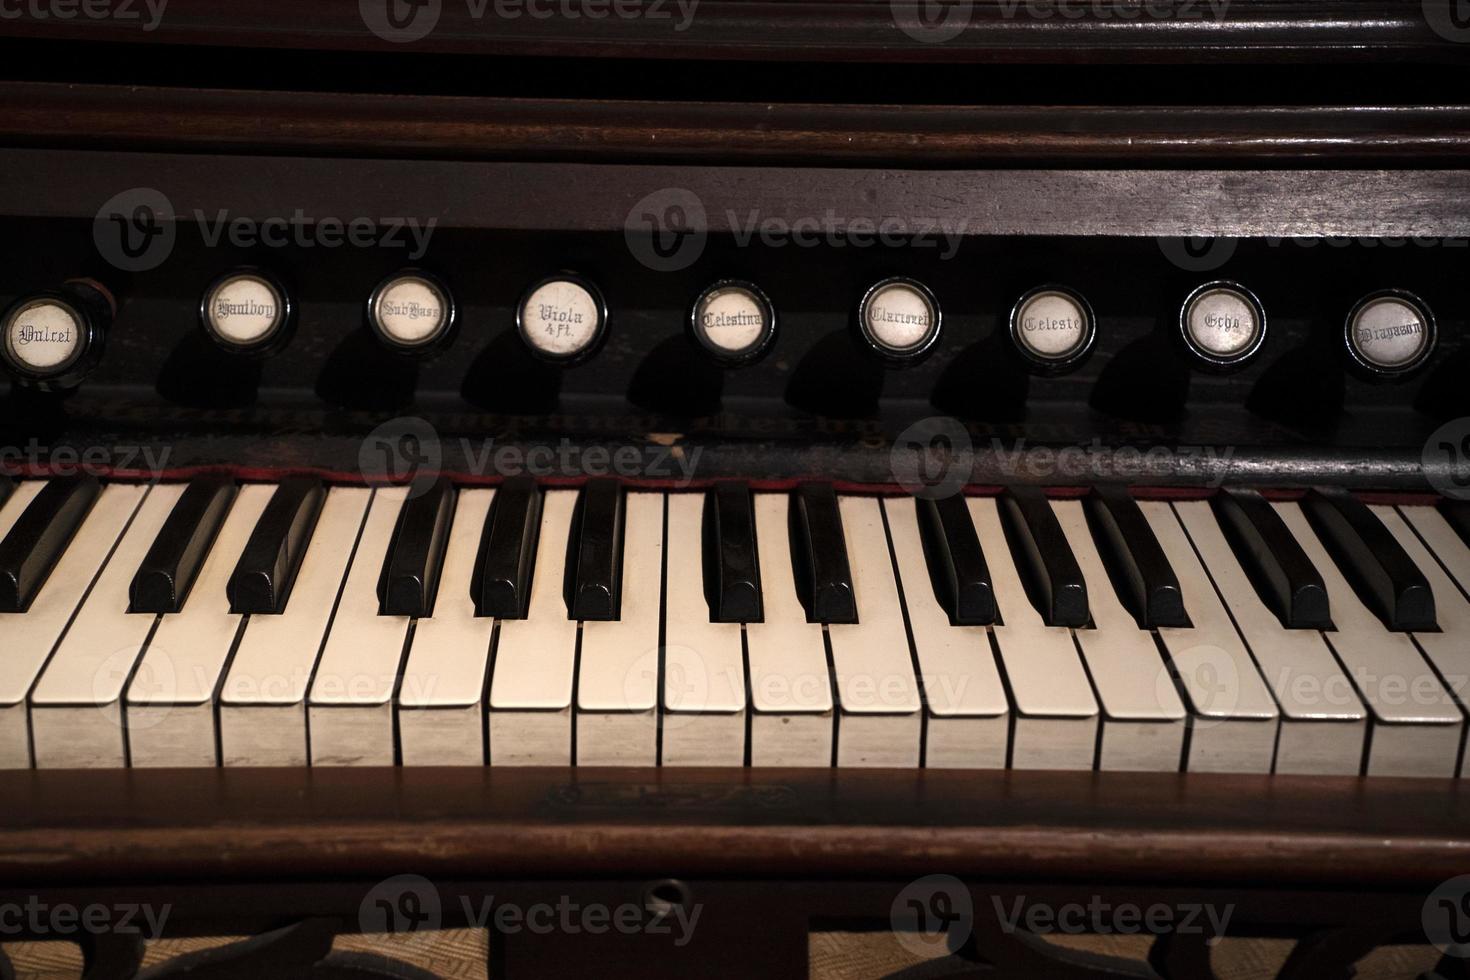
[(810, 502)]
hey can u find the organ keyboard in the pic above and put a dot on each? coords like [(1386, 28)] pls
[(854, 656), (748, 466)]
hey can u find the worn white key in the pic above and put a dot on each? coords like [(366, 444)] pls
[(29, 637), (20, 498), (790, 685), (1416, 726), (441, 702), (536, 657), (350, 703), (617, 684), (967, 715), (262, 713), (879, 720), (1323, 723), (1233, 719), (77, 715), (704, 662), (17, 677), (1449, 649), (1143, 718), (171, 699), (1452, 552), (1056, 714)]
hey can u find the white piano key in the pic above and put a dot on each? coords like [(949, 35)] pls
[(350, 704), (1143, 718), (879, 720), (1440, 537), (1323, 723), (790, 684), (1055, 711), (15, 733), (1416, 726), (29, 637), (967, 715), (1449, 649), (20, 498), (1233, 719), (170, 701), (262, 714), (77, 714), (704, 662), (536, 657), (441, 702), (617, 685)]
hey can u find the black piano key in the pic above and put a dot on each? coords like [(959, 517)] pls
[(501, 584), (732, 580), (39, 536), (819, 555), (410, 576), (1044, 557), (956, 563), (164, 579), (262, 579), (593, 586), (1457, 513), (1371, 559), (1284, 576), (7, 485), (1150, 589)]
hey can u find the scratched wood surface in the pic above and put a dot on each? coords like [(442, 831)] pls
[(239, 824)]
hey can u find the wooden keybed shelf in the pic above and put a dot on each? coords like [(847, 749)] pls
[(237, 825)]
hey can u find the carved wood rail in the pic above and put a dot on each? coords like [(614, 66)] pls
[(293, 857)]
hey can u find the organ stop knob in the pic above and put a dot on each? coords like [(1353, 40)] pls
[(1053, 328), (246, 311), (562, 319), (411, 311), (1223, 324), (899, 320), (51, 339), (1389, 333)]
